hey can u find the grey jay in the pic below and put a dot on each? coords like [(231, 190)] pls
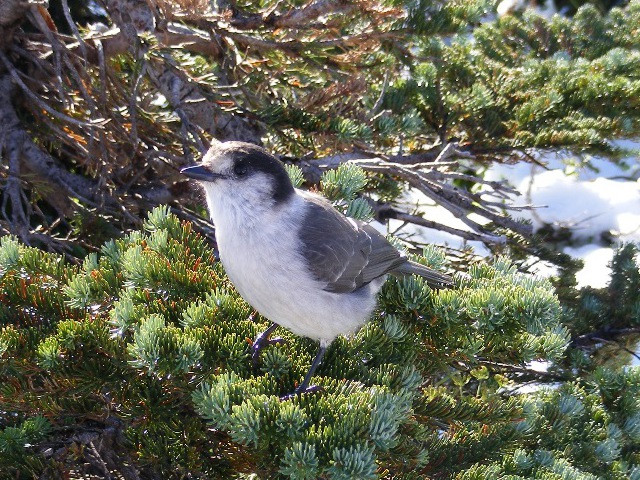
[(292, 256)]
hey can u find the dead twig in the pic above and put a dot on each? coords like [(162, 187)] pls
[(432, 173), (65, 118), (386, 211)]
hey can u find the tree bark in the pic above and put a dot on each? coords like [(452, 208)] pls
[(187, 98), (35, 164)]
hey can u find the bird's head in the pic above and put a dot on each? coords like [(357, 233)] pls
[(243, 176)]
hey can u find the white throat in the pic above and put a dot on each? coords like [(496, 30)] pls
[(240, 208)]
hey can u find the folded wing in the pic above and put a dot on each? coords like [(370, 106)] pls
[(343, 253)]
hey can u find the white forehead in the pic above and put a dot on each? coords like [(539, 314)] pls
[(221, 156), (218, 159)]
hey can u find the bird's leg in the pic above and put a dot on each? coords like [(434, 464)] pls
[(304, 386), (262, 341)]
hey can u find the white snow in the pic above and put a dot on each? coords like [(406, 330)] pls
[(592, 199), (587, 207), (596, 260), (545, 8)]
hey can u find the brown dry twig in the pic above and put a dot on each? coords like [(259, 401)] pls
[(108, 104)]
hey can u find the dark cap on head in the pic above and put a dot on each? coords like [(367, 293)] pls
[(248, 159)]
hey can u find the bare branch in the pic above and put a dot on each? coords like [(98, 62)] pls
[(19, 212), (186, 96), (385, 211), (74, 28), (431, 173), (16, 77), (37, 160), (447, 152), (296, 18)]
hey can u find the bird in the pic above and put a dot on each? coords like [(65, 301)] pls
[(290, 254)]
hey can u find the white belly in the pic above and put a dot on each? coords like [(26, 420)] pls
[(273, 278)]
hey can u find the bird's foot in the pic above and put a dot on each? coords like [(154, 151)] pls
[(304, 387), (261, 342), (301, 390)]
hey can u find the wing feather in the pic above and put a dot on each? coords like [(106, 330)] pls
[(343, 253)]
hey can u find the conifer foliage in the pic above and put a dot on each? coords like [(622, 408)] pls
[(137, 363), (124, 348), (98, 118)]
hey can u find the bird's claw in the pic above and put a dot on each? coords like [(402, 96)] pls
[(302, 390), (261, 342)]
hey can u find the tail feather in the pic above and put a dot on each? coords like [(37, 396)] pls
[(434, 279)]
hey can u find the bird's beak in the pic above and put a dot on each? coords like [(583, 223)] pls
[(198, 172)]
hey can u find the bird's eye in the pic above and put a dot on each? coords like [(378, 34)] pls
[(240, 169)]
